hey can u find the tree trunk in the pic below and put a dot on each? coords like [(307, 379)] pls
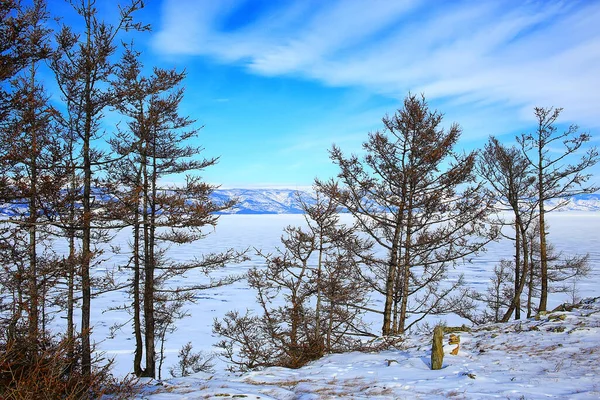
[(517, 293), (406, 266), (33, 271), (148, 224), (397, 299), (531, 278), (543, 260), (542, 210), (515, 304), (71, 261), (437, 348), (389, 292), (318, 333), (86, 356), (137, 324), (86, 256), (390, 282), (71, 296)]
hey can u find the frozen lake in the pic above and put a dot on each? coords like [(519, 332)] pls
[(573, 233)]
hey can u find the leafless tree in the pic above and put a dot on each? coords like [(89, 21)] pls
[(511, 179), (556, 177), (83, 66), (153, 147), (419, 201), (309, 294)]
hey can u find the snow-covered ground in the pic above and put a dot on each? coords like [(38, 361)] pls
[(500, 370), (554, 357)]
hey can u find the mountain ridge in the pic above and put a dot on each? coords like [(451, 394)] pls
[(288, 201), (285, 201)]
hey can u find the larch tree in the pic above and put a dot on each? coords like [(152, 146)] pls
[(13, 53), (84, 66), (419, 201), (310, 297), (509, 175), (157, 144), (31, 150), (559, 175), (340, 256)]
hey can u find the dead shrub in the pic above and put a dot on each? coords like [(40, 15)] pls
[(51, 369)]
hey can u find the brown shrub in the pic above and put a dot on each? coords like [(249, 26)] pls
[(51, 369)]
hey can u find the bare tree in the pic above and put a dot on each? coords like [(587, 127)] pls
[(191, 363), (153, 147), (340, 256), (30, 150), (509, 174), (83, 68), (309, 295), (418, 200), (556, 177)]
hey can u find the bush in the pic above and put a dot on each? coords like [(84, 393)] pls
[(191, 363), (50, 369)]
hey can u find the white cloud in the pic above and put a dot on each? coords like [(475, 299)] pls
[(512, 54)]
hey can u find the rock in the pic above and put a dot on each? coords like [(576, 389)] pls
[(564, 307), (450, 329), (454, 339), (557, 317), (455, 351)]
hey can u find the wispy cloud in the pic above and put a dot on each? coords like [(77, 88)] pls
[(508, 54)]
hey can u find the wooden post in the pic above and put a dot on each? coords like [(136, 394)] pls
[(437, 348)]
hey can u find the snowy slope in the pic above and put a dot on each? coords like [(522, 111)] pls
[(552, 356)]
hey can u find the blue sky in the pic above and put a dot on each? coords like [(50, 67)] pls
[(276, 83)]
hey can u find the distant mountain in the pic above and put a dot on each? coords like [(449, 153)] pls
[(264, 201), (582, 202), (285, 201)]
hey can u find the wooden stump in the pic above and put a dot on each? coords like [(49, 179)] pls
[(437, 348)]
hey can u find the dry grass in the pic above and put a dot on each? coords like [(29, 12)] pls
[(52, 370), (289, 384)]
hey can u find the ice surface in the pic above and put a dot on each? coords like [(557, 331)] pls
[(364, 373)]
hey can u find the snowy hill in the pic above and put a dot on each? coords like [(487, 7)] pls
[(264, 201), (582, 202), (550, 356), (285, 201)]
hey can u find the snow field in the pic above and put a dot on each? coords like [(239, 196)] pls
[(555, 357), (359, 374)]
